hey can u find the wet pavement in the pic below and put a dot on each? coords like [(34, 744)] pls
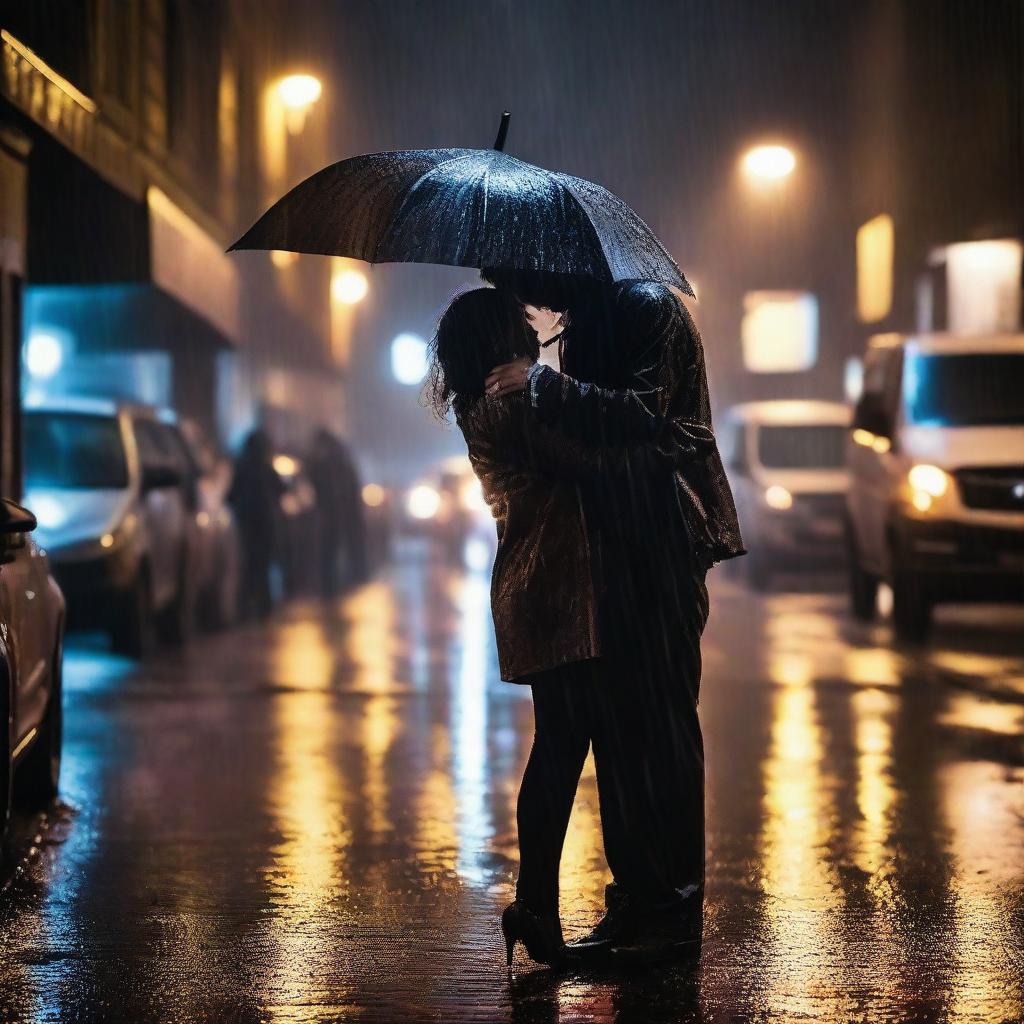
[(316, 822)]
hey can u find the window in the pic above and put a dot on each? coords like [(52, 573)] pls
[(779, 331), (118, 51), (969, 389), (73, 450), (875, 244), (983, 286)]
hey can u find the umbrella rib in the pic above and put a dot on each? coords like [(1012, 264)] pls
[(566, 181), (487, 193)]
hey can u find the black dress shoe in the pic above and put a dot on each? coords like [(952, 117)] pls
[(618, 925), (632, 931), (661, 940)]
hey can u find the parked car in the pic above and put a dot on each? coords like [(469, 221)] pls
[(788, 471), (31, 636), (218, 549), (116, 499), (936, 455)]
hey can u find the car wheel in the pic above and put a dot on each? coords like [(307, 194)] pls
[(178, 620), (911, 608), (863, 585), (131, 633), (38, 777)]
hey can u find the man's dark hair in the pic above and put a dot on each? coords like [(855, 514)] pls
[(558, 292), (479, 330)]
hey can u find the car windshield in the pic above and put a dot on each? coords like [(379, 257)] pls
[(965, 389), (811, 446), (75, 450)]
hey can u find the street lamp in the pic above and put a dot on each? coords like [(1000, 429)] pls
[(349, 287), (769, 163), (297, 94)]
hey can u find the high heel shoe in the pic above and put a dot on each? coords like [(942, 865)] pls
[(541, 934)]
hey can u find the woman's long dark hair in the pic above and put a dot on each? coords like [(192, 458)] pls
[(479, 330)]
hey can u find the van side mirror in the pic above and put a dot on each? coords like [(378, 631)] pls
[(158, 478), (871, 415)]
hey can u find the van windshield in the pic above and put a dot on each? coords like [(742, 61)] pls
[(965, 389), (74, 450), (814, 446)]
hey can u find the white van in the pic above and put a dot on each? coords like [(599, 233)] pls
[(936, 457), (787, 466)]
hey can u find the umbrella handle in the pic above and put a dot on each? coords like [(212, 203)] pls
[(499, 142)]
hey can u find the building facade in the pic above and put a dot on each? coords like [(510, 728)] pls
[(137, 140)]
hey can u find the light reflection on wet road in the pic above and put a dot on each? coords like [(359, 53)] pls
[(316, 822)]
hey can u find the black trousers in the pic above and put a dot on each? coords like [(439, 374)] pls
[(637, 707)]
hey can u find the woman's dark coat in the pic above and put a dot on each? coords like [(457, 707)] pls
[(543, 597)]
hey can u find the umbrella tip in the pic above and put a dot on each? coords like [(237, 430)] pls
[(499, 142)]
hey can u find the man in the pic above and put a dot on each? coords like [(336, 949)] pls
[(633, 370)]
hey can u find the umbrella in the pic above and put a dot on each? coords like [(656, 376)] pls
[(464, 208)]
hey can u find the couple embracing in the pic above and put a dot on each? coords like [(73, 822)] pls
[(611, 504)]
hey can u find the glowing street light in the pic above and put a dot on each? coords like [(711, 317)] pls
[(374, 495), (769, 163), (297, 94), (423, 502), (44, 355), (282, 258), (299, 91), (349, 286), (409, 358)]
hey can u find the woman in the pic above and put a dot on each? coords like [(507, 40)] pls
[(542, 593)]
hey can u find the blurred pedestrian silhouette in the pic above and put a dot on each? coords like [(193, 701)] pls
[(335, 479), (254, 497)]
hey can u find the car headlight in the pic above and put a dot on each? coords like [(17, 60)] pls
[(116, 537), (927, 482), (778, 497), (423, 502)]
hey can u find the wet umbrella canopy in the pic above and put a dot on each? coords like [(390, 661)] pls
[(465, 208)]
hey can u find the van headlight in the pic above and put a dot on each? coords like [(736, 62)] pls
[(927, 483), (116, 537), (778, 497)]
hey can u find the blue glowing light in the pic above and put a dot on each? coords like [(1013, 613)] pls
[(44, 354), (409, 359)]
